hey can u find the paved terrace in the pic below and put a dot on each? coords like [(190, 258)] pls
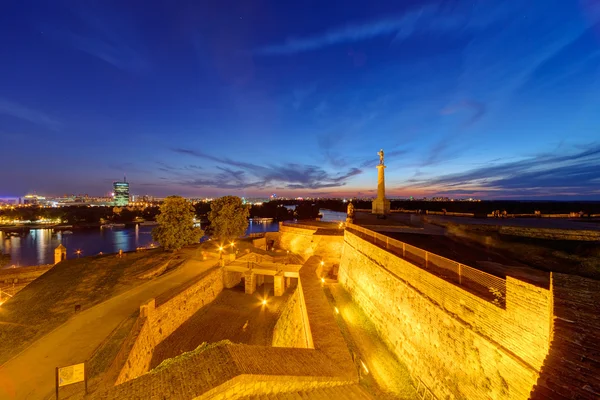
[(249, 370)]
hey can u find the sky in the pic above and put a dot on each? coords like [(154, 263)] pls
[(489, 99)]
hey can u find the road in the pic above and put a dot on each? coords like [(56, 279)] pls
[(30, 374)]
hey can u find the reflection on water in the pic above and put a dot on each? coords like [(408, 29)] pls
[(37, 246), (332, 216)]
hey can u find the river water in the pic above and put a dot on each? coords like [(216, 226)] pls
[(37, 246)]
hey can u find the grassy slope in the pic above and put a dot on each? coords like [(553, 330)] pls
[(50, 300)]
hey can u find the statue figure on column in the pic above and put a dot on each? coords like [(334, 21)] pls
[(380, 154), (350, 214)]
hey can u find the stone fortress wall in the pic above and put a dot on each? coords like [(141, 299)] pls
[(158, 322), (291, 329), (458, 344), (308, 242), (315, 354)]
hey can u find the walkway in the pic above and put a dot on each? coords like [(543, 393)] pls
[(387, 378), (30, 375)]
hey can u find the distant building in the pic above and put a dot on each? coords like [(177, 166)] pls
[(121, 193), (34, 199)]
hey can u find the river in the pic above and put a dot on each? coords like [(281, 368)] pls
[(37, 246)]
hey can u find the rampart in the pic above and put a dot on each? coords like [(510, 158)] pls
[(308, 241), (458, 344), (291, 329), (160, 321), (229, 371)]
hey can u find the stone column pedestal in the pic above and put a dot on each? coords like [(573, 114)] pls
[(381, 205)]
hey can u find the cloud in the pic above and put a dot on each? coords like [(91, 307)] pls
[(27, 114), (118, 54), (424, 19), (474, 108), (572, 173), (101, 33), (240, 175)]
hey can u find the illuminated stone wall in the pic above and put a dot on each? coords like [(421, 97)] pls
[(163, 320), (304, 242), (457, 344), (290, 330)]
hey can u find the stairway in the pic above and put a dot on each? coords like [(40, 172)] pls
[(348, 392)]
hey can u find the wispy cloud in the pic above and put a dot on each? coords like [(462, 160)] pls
[(27, 114), (240, 175), (106, 36), (423, 19), (475, 109), (575, 172)]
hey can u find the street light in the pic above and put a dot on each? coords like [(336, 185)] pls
[(220, 252), (78, 252)]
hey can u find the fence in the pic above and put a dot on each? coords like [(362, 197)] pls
[(487, 286)]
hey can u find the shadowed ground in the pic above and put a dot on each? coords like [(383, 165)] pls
[(233, 315)]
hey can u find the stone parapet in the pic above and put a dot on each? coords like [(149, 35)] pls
[(459, 345)]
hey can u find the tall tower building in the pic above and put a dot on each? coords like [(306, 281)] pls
[(121, 193)]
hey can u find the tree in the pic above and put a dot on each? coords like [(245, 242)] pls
[(176, 224), (228, 218)]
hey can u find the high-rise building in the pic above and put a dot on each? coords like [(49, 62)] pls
[(121, 193)]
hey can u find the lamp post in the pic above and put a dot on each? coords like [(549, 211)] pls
[(220, 252), (78, 252)]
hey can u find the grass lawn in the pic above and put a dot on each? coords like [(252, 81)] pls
[(50, 300)]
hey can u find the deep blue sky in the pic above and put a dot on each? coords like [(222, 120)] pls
[(496, 99)]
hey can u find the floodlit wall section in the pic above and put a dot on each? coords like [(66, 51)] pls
[(163, 320), (290, 329), (457, 344), (304, 242)]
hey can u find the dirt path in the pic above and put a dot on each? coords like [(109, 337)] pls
[(30, 374)]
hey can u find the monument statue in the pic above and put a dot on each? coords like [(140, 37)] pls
[(381, 205), (380, 154), (350, 210)]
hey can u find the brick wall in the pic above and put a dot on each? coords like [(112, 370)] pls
[(163, 320), (290, 330), (459, 345)]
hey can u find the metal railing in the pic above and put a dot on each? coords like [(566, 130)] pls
[(489, 287)]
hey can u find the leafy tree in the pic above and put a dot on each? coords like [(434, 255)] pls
[(228, 217), (176, 224), (306, 210)]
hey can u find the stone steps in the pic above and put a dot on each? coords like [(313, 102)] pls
[(348, 392)]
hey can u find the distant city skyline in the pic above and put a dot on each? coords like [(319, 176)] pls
[(493, 100)]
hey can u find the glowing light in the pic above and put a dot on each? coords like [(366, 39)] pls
[(264, 302), (322, 263), (336, 310), (220, 248), (232, 244), (322, 280), (364, 367)]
